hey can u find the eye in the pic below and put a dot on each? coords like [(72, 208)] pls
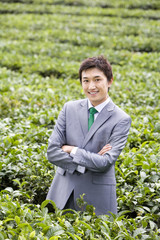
[(97, 79), (85, 80)]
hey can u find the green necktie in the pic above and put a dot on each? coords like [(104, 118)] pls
[(92, 111)]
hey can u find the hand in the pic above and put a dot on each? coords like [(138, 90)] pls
[(105, 149), (67, 148)]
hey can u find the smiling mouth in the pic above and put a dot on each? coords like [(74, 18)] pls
[(93, 93)]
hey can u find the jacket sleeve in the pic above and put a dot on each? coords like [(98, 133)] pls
[(55, 154), (101, 163)]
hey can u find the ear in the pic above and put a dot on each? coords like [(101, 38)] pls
[(110, 82)]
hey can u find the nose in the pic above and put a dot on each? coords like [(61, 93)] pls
[(92, 85)]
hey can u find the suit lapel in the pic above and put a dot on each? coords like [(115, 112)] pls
[(103, 116), (83, 116)]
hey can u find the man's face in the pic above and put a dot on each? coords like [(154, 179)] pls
[(95, 85)]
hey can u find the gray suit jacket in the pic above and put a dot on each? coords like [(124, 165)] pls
[(86, 171)]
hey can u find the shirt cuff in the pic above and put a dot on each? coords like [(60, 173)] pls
[(79, 168), (74, 150)]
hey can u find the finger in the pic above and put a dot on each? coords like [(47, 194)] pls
[(103, 151), (106, 148), (100, 152)]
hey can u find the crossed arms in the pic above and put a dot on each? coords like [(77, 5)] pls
[(60, 154), (68, 149)]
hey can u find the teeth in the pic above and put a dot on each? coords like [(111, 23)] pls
[(93, 92)]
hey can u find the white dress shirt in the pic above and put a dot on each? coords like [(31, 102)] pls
[(98, 107)]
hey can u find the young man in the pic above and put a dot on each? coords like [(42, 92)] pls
[(86, 141)]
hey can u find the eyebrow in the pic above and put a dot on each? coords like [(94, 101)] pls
[(93, 77), (97, 76)]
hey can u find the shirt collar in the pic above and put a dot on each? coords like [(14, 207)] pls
[(100, 106)]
